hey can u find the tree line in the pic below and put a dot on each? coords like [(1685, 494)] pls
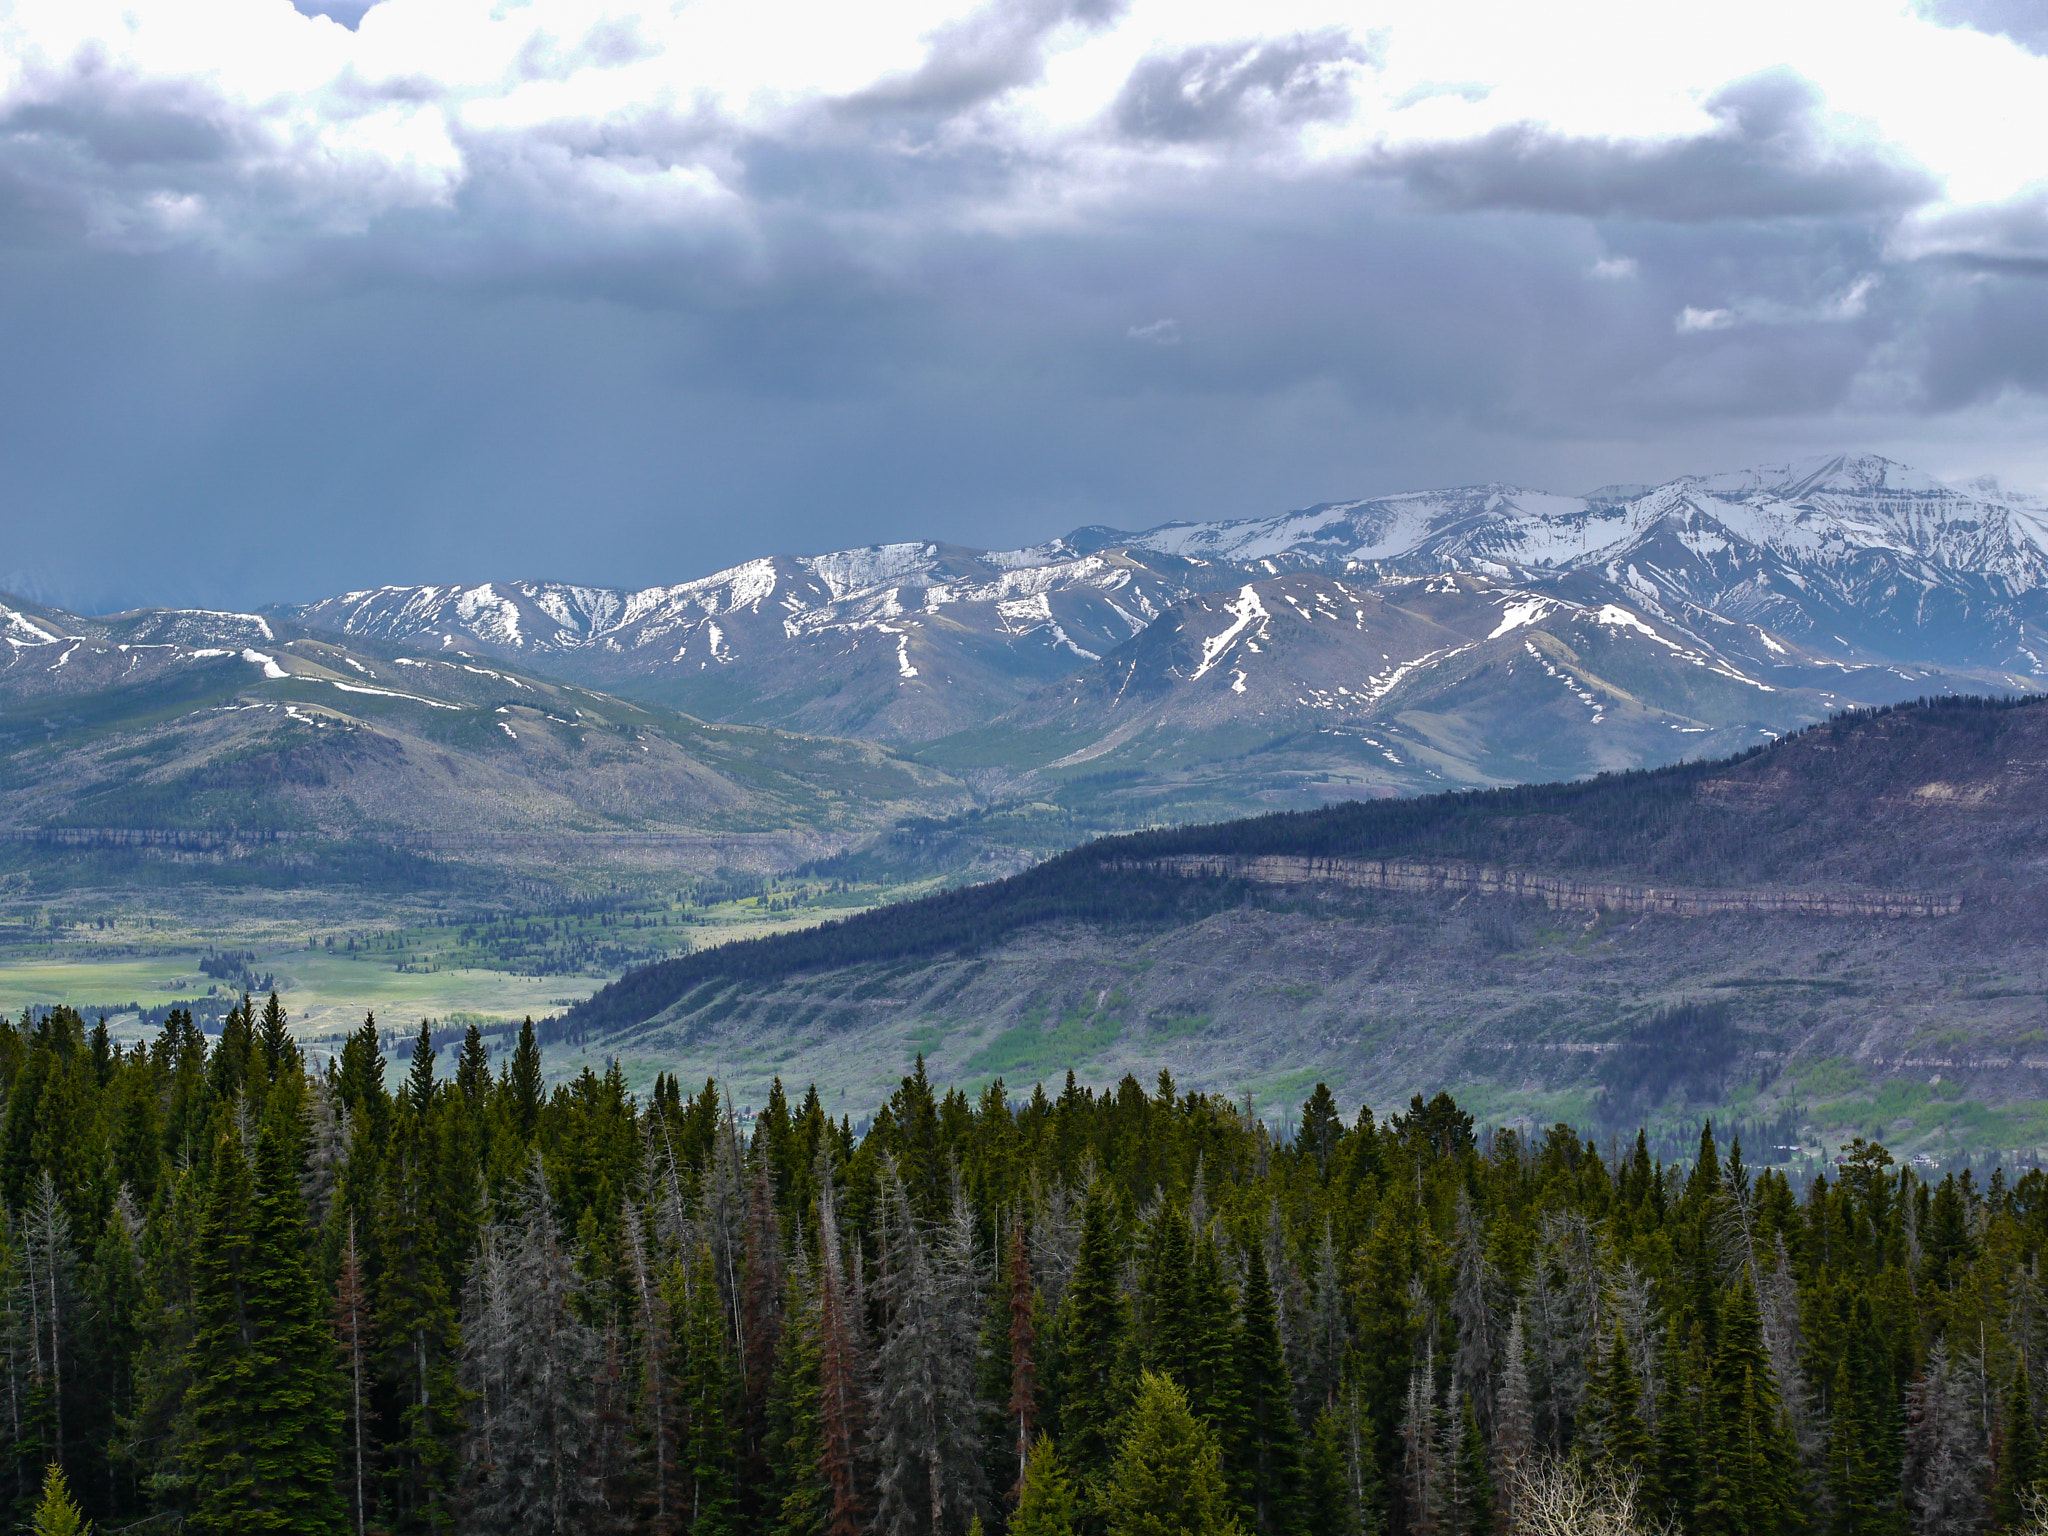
[(241, 1294)]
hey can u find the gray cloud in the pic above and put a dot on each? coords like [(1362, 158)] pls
[(992, 50), (2024, 21), (1769, 158), (1219, 91), (638, 417), (517, 380)]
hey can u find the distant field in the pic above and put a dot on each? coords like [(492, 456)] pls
[(402, 973), (323, 993)]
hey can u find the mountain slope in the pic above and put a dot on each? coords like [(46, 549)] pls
[(279, 759), (1252, 955)]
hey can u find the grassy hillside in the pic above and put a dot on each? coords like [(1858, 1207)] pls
[(1093, 961)]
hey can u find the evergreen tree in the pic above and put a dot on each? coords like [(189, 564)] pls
[(1167, 1479), (708, 1395), (265, 1406), (56, 1513), (1673, 1479), (1861, 1462), (1092, 1387), (1328, 1506), (1615, 1433), (415, 1306), (2019, 1454), (1746, 1455), (799, 1497), (1262, 1443), (1046, 1504)]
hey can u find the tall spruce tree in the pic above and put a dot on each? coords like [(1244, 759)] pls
[(265, 1403), (1093, 1389), (1262, 1444)]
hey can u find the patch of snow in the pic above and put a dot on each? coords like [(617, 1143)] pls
[(391, 693), (268, 663), (903, 666), (212, 650), (1515, 615), (1243, 612)]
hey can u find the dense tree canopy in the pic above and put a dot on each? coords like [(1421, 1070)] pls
[(439, 1296)]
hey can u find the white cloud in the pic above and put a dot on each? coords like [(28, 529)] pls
[(1161, 333), (244, 122), (1850, 304), (1614, 268)]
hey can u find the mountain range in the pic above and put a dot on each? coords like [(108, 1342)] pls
[(1394, 645), (1487, 634)]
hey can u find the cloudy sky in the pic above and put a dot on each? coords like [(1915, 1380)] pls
[(299, 299)]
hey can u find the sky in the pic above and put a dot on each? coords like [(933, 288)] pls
[(295, 300)]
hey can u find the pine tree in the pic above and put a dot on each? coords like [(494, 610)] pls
[(2019, 1454), (415, 1307), (1093, 1393), (1167, 1341), (56, 1514), (1860, 1462), (1615, 1414), (1167, 1479), (799, 1497), (1328, 1508), (707, 1394), (1046, 1504), (1747, 1458), (1673, 1479), (1262, 1444), (265, 1401), (1212, 1335)]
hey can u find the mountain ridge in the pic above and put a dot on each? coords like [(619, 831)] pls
[(1892, 864)]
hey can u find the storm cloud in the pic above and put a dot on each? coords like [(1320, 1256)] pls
[(305, 299)]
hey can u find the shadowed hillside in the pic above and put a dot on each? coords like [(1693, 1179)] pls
[(1114, 958)]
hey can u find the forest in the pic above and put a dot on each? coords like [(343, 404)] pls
[(245, 1293)]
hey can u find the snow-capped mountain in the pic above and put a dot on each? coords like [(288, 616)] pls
[(1844, 561), (822, 642), (1479, 635)]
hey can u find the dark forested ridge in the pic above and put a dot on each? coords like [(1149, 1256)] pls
[(245, 1296), (1950, 792)]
